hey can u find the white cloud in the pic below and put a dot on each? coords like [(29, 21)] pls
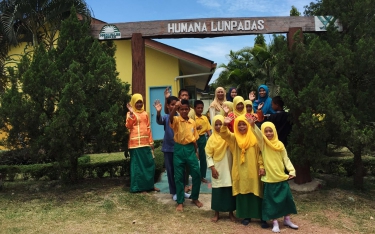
[(214, 51), (253, 7)]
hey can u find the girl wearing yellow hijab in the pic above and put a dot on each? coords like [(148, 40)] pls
[(238, 110), (246, 169), (250, 111), (141, 145), (277, 198), (219, 159)]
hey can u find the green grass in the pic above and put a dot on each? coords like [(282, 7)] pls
[(105, 157), (106, 206)]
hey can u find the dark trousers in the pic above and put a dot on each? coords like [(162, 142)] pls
[(168, 161), (202, 155)]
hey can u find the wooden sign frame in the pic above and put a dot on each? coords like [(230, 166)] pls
[(202, 28)]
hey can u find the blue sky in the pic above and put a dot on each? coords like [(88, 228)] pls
[(215, 49)]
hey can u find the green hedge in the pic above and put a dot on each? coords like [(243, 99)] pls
[(53, 171), (344, 166), (86, 169)]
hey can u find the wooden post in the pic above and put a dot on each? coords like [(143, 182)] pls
[(139, 66), (290, 36)]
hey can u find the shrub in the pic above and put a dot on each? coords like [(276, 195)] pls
[(86, 169), (344, 166)]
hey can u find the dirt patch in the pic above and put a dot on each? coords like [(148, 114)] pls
[(224, 225)]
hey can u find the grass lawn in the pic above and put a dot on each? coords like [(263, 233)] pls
[(106, 206)]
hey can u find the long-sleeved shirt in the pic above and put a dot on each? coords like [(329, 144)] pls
[(224, 168), (245, 176), (274, 161), (139, 128), (168, 142)]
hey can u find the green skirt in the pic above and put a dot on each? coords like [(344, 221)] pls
[(222, 199), (142, 169), (277, 201), (248, 206)]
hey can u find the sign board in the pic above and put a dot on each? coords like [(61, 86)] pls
[(109, 31), (322, 22), (200, 28), (212, 27)]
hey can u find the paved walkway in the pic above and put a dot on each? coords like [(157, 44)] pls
[(164, 187)]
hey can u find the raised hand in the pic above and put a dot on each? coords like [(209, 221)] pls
[(260, 105), (167, 92), (130, 108), (250, 119), (157, 105), (252, 96), (226, 109), (227, 120), (177, 105)]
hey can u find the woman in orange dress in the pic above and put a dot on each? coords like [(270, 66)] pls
[(141, 146)]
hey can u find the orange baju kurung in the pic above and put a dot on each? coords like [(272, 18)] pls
[(142, 165)]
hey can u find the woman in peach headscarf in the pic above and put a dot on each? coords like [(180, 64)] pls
[(216, 107), (141, 146)]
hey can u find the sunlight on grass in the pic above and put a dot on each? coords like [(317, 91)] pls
[(106, 206), (105, 157)]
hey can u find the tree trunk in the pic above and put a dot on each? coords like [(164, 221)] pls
[(359, 170), (73, 169), (303, 173)]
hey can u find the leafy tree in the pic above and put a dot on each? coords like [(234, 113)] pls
[(328, 82), (71, 98), (260, 41), (239, 72), (32, 21), (294, 11), (37, 20), (248, 67)]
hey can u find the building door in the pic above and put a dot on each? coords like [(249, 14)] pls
[(156, 93)]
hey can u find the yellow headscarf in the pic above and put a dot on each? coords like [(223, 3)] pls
[(216, 146), (237, 100), (248, 102), (244, 141), (274, 143), (216, 102), (229, 104), (135, 98)]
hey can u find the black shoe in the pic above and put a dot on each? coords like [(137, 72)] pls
[(246, 221), (264, 224)]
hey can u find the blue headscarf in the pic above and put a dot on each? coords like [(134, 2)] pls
[(229, 98), (267, 107)]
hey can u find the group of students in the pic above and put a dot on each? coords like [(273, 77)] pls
[(247, 163)]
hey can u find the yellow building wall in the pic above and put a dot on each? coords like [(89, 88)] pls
[(124, 60), (161, 68)]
